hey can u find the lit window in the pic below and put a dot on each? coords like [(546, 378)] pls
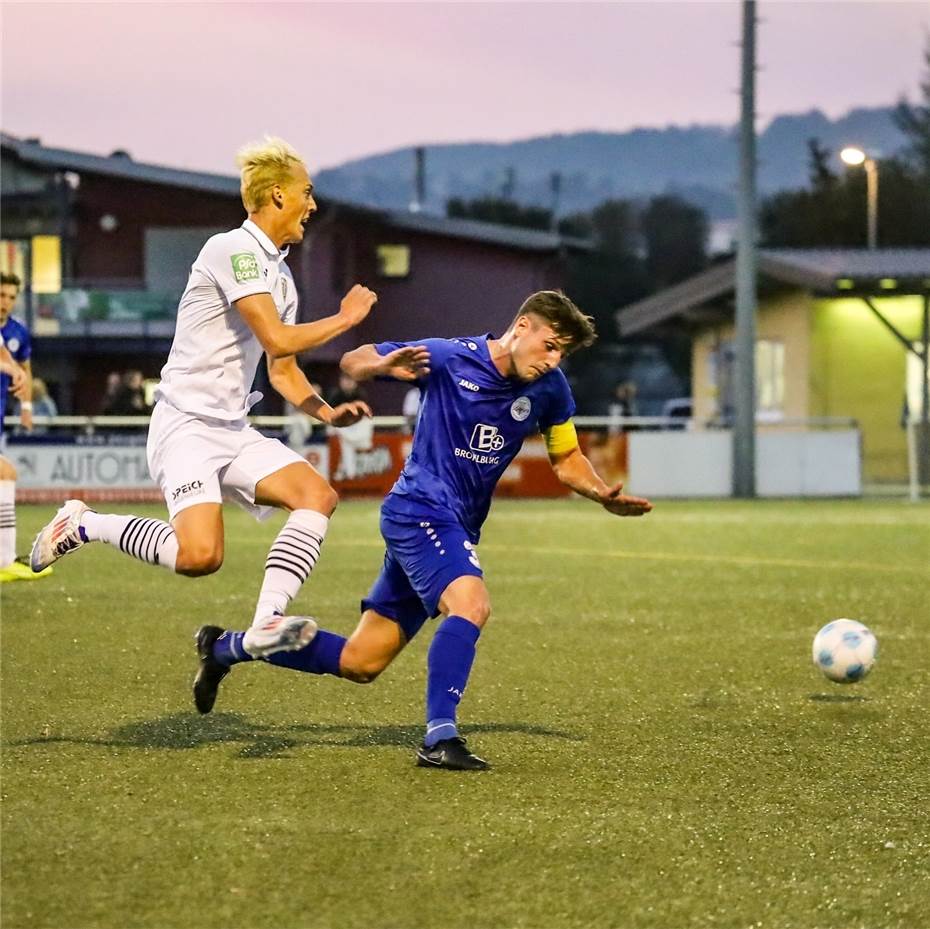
[(46, 264), (393, 260), (770, 377)]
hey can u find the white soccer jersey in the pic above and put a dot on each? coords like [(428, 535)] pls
[(214, 356)]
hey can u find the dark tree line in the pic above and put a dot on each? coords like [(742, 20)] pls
[(831, 212), (637, 248)]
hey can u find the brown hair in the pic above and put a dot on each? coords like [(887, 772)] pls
[(566, 320), (11, 279)]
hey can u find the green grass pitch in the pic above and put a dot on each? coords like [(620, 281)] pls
[(664, 753)]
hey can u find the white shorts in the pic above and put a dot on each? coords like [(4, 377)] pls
[(197, 460)]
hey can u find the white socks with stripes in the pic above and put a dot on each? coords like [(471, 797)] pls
[(294, 553), (149, 540), (7, 523)]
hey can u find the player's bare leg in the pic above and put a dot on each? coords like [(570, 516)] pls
[(376, 642), (199, 533)]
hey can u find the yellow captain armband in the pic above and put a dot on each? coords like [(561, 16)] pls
[(561, 438)]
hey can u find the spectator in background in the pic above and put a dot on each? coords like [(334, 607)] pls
[(114, 383), (301, 427), (622, 406), (411, 408), (352, 439), (42, 403), (130, 398)]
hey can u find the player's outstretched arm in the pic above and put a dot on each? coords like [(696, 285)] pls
[(574, 470), (409, 363), (9, 366), (280, 340), (289, 381), (24, 395)]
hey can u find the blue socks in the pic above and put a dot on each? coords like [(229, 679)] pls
[(229, 650), (451, 655), (449, 662), (321, 656)]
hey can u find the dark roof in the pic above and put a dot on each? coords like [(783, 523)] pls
[(121, 165), (493, 234), (820, 270)]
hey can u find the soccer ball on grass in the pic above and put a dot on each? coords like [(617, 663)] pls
[(845, 651)]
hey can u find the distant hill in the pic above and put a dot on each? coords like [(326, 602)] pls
[(697, 162)]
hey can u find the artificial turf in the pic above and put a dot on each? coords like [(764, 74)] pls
[(664, 753)]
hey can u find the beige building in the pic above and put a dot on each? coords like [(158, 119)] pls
[(841, 335)]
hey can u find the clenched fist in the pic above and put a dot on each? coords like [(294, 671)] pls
[(357, 304)]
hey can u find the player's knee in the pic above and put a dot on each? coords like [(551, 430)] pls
[(476, 611), (317, 496), (7, 471), (199, 560), (360, 672), (355, 665)]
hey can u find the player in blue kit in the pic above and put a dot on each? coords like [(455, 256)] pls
[(481, 397), (15, 383)]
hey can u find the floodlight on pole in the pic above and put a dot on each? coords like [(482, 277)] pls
[(855, 156), (852, 155)]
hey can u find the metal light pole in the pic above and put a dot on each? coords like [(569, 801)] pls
[(854, 156), (744, 435), (871, 186)]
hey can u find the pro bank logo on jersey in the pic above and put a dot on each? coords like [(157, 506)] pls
[(245, 267), (485, 440)]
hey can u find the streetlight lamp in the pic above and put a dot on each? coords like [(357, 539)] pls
[(854, 157)]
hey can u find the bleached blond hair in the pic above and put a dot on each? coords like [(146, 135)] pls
[(262, 165)]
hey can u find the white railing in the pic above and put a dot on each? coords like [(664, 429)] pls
[(620, 423)]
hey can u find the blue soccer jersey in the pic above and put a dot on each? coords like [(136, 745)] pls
[(19, 344), (471, 424)]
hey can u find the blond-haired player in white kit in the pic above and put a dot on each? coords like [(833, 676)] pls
[(240, 301)]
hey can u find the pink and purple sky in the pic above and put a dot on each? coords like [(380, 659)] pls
[(185, 84)]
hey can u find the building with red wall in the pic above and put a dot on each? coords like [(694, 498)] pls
[(123, 235)]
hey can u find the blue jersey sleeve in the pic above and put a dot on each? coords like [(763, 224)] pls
[(25, 348), (440, 351), (561, 404)]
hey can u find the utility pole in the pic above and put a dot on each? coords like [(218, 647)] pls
[(744, 435)]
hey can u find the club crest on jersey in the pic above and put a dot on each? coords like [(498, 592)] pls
[(13, 344), (245, 267), (520, 408)]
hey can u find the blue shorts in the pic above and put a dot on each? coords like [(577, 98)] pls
[(423, 558)]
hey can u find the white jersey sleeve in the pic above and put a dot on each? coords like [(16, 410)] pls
[(236, 270)]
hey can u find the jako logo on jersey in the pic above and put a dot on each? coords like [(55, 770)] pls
[(520, 408), (468, 385), (245, 267), (193, 487), (486, 439)]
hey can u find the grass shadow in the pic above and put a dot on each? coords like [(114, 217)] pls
[(838, 698), (180, 731)]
